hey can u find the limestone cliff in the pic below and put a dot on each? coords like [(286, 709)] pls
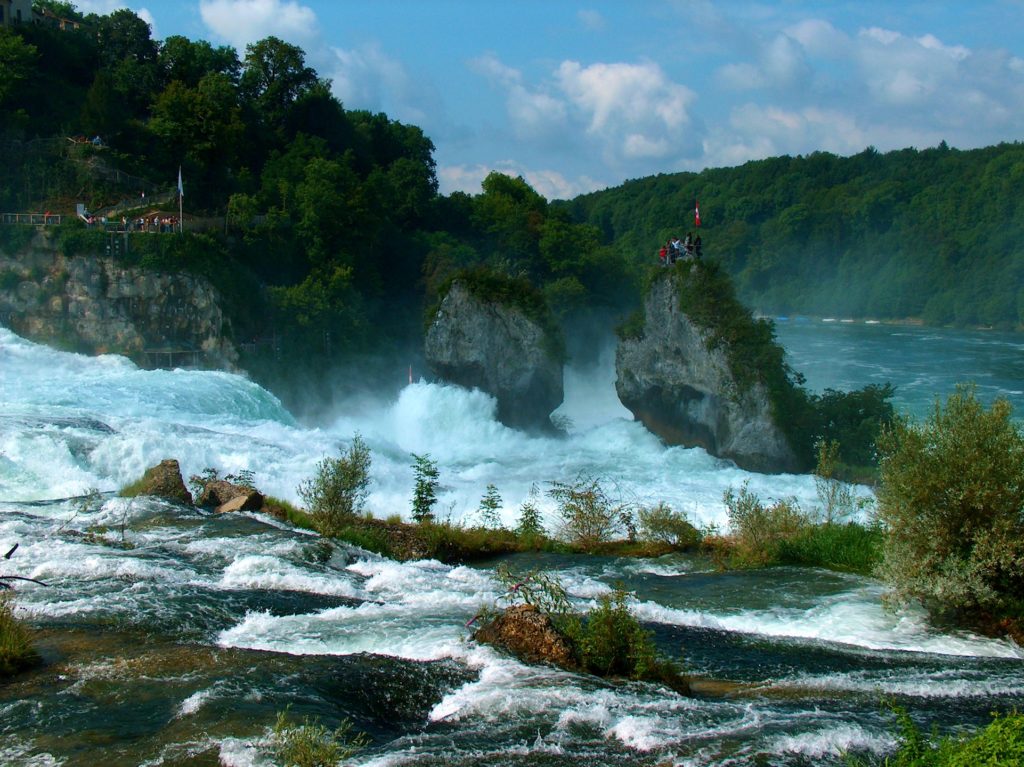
[(497, 348), (92, 304), (677, 381)]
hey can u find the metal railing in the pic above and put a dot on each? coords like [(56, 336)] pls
[(32, 219)]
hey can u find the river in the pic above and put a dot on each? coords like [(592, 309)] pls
[(174, 636)]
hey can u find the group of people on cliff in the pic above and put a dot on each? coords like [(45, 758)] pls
[(675, 249)]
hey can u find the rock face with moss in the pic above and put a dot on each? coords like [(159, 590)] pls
[(163, 481), (530, 635), (91, 304), (678, 376), (497, 347)]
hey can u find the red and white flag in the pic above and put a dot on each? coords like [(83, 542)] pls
[(696, 213)]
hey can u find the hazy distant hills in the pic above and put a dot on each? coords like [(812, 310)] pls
[(936, 234)]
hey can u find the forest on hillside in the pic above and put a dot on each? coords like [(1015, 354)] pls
[(335, 238), (336, 241), (935, 234)]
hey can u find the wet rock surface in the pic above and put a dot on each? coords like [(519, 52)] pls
[(499, 350)]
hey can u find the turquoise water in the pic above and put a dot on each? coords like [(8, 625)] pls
[(174, 637), (923, 363)]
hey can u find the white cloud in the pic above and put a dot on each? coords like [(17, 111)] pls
[(613, 95), (552, 184), (904, 71), (625, 113), (819, 38), (741, 76), (756, 132), (780, 64), (533, 114), (241, 22)]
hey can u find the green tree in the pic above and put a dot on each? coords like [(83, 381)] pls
[(660, 524), (950, 496), (274, 75), (530, 527), (836, 497), (424, 495), (189, 61), (17, 61), (490, 504), (337, 491)]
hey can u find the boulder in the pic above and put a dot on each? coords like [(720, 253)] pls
[(219, 493), (498, 349), (679, 385), (249, 501), (529, 635), (164, 481)]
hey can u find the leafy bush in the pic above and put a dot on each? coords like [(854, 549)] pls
[(16, 650), (311, 744), (999, 744), (608, 641), (837, 499), (336, 493), (425, 491), (588, 515), (660, 524), (613, 643), (13, 239), (784, 534), (758, 529), (535, 588), (951, 495), (74, 239), (854, 420)]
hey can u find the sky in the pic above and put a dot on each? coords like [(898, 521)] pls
[(580, 96)]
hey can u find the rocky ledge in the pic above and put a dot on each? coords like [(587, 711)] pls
[(678, 383), (497, 348)]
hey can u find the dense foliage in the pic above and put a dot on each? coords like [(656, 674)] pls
[(951, 497), (935, 233), (328, 233), (999, 744)]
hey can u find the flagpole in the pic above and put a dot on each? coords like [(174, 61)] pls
[(181, 197)]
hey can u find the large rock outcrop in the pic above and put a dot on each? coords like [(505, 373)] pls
[(679, 385), (91, 303), (498, 349), (162, 481)]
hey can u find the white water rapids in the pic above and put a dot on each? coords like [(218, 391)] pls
[(813, 650)]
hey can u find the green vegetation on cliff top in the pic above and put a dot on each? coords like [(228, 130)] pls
[(334, 237)]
